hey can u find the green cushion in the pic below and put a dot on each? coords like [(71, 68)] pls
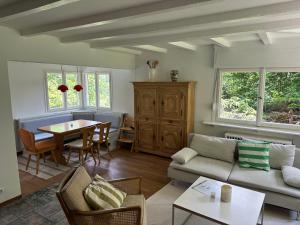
[(254, 154), (102, 195)]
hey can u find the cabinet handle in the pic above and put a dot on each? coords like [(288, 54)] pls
[(153, 136), (181, 133), (138, 109), (162, 102), (162, 138), (153, 102), (181, 112)]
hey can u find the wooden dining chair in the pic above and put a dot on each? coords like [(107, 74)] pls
[(84, 145), (102, 138), (36, 148)]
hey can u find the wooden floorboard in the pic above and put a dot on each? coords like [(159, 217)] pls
[(152, 169)]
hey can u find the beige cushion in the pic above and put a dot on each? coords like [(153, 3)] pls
[(72, 192), (184, 155), (102, 195), (291, 176), (281, 155), (214, 147), (137, 200), (207, 167), (262, 180), (76, 144)]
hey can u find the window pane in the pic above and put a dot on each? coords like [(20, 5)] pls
[(91, 89), (55, 97), (104, 90), (72, 95), (239, 95), (282, 98)]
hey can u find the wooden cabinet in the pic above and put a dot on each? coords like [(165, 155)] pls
[(164, 115)]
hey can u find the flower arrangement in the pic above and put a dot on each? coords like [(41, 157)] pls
[(152, 64)]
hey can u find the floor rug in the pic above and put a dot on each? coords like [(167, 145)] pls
[(159, 210), (49, 169)]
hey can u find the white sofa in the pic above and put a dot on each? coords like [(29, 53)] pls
[(270, 182)]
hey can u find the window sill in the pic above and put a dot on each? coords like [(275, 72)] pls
[(257, 129)]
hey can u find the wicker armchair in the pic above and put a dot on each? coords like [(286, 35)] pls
[(70, 195)]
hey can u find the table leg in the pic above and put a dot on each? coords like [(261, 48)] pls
[(173, 215), (262, 214), (59, 139)]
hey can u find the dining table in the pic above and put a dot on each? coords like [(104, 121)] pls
[(61, 130)]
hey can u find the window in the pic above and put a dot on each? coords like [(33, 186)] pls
[(98, 90), (264, 97), (55, 97), (58, 100)]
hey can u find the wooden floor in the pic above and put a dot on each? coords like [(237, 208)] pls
[(152, 169)]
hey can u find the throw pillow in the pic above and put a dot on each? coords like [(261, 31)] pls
[(214, 147), (254, 154), (281, 155), (184, 155), (291, 176), (102, 195)]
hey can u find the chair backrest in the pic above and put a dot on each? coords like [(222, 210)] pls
[(70, 192), (103, 131), (27, 139), (87, 137)]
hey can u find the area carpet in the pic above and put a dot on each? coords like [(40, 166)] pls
[(43, 208), (48, 168)]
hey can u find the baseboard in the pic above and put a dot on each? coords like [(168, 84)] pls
[(10, 200)]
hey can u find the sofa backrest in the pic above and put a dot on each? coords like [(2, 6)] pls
[(85, 115), (33, 124), (115, 118)]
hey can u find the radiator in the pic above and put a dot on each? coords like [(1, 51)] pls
[(238, 136)]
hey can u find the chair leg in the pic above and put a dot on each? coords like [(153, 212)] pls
[(37, 163), (81, 157), (28, 161), (44, 157), (69, 156), (93, 155), (107, 146), (54, 157), (98, 152)]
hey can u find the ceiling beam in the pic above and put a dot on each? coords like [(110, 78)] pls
[(265, 38), (210, 33), (112, 16), (221, 41), (224, 18), (27, 7), (152, 48), (125, 50), (184, 44)]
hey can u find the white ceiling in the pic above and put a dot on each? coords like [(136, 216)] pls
[(127, 23)]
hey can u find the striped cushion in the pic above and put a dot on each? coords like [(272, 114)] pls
[(254, 154), (102, 195)]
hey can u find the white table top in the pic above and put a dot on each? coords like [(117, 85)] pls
[(244, 208)]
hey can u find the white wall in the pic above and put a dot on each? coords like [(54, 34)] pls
[(43, 49), (27, 87), (198, 66)]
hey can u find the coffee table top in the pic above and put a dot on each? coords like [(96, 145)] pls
[(244, 208)]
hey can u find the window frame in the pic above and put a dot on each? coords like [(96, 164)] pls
[(97, 74), (260, 98), (65, 102)]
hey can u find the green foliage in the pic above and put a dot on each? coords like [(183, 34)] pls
[(91, 90), (104, 90), (55, 96), (281, 99), (72, 95)]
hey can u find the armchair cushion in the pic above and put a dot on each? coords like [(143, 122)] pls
[(100, 194), (184, 155), (73, 189), (291, 176)]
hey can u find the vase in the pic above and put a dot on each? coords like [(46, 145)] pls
[(152, 74), (174, 74)]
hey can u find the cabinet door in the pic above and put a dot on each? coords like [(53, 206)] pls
[(172, 101), (171, 137), (145, 134), (145, 105)]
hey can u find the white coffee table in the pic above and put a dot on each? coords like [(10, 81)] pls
[(244, 209)]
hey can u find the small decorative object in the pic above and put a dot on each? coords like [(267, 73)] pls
[(226, 191), (174, 75), (213, 195), (78, 87), (62, 88), (152, 64)]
